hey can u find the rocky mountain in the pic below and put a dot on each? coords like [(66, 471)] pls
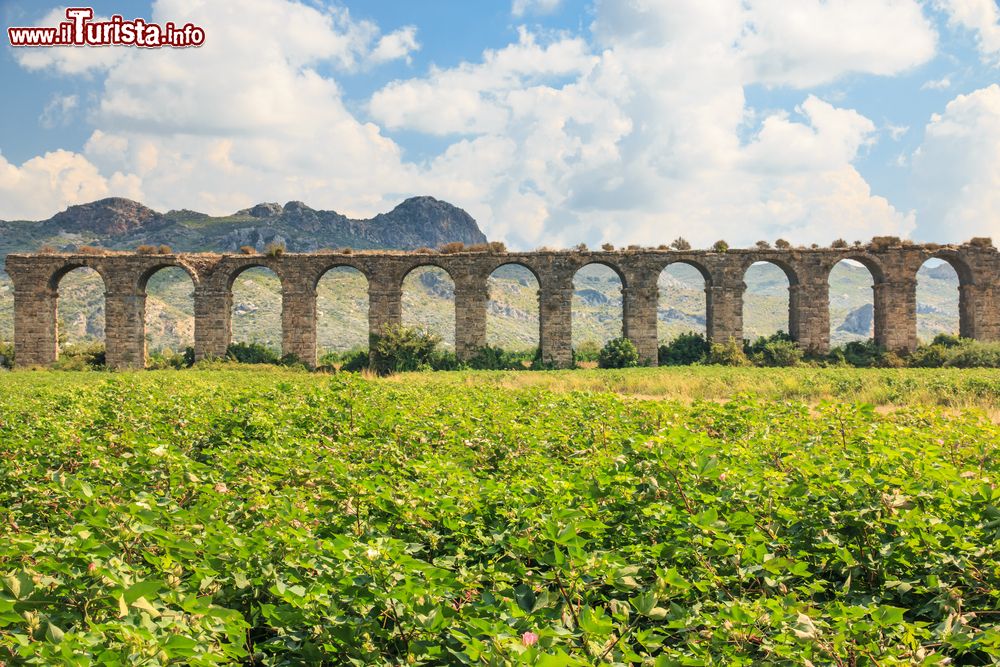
[(859, 321), (124, 224)]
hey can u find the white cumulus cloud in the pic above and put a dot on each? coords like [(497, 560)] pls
[(957, 169)]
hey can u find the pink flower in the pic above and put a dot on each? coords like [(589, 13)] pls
[(529, 638)]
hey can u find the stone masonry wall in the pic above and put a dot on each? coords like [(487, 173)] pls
[(893, 265)]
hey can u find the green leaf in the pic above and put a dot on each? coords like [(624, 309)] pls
[(147, 588), (644, 602), (144, 605), (887, 615), (54, 634), (19, 585)]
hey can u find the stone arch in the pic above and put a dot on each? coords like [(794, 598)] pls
[(512, 298), (939, 291), (82, 318), (598, 305), (56, 278), (255, 305), (342, 309), (6, 309), (169, 324), (852, 316), (762, 299), (679, 310), (151, 270), (434, 310)]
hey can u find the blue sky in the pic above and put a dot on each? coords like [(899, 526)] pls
[(552, 122)]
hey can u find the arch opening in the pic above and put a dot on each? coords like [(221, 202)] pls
[(6, 310), (766, 300), (256, 309), (429, 302), (512, 321), (938, 299), (597, 310), (341, 313), (169, 316), (852, 302), (682, 303), (80, 318)]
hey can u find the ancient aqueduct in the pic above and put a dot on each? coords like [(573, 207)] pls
[(893, 265)]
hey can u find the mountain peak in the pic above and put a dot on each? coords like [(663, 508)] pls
[(263, 210), (113, 215), (434, 220)]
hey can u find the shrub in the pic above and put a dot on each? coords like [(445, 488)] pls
[(252, 353), (781, 353), (839, 243), (444, 360), (680, 243), (727, 354), (81, 357), (975, 354), (146, 249), (860, 353), (581, 247), (452, 248), (618, 353), (948, 340), (929, 356), (169, 359), (47, 249), (248, 250), (538, 364), (355, 361), (589, 350), (274, 250), (346, 251), (684, 350), (90, 250), (497, 247), (490, 358), (165, 250), (775, 350), (891, 360), (763, 245), (608, 247), (782, 244), (720, 246), (478, 247), (6, 355), (397, 349)]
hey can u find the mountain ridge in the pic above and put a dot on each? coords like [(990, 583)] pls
[(118, 223)]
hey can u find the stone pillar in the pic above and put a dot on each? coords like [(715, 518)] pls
[(471, 298), (809, 315), (724, 313), (385, 304), (555, 315), (36, 328), (125, 329), (213, 325), (978, 314), (639, 315), (896, 315), (298, 321)]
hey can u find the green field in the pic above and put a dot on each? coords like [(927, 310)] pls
[(275, 517)]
